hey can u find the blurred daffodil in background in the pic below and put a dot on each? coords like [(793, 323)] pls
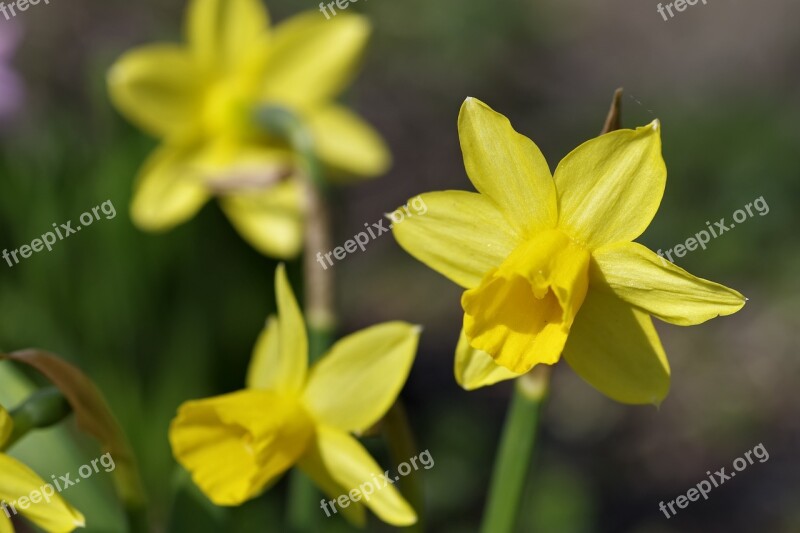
[(17, 481), (548, 261), (236, 445), (201, 100)]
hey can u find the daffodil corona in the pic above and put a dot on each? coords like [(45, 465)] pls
[(18, 483), (548, 261), (201, 100), (237, 444)]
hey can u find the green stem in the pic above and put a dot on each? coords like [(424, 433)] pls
[(402, 446), (320, 318), (514, 455), (43, 409)]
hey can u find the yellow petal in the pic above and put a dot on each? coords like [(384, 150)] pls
[(521, 313), (359, 379), (222, 33), (280, 358), (507, 167), (158, 88), (666, 291), (346, 461), (234, 445), (6, 426), (313, 466), (609, 188), (616, 349), (475, 369), (270, 220), (5, 524), (169, 189), (312, 59), (462, 235), (51, 513), (343, 141)]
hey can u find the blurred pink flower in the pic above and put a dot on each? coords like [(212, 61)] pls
[(11, 89)]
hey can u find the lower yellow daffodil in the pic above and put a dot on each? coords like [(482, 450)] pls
[(547, 260), (21, 493), (237, 444)]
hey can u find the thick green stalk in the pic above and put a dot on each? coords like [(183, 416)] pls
[(514, 455), (43, 409)]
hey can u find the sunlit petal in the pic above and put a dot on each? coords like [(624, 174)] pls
[(662, 289), (616, 349), (359, 379), (351, 466), (462, 235), (609, 188), (53, 514), (507, 167), (475, 369)]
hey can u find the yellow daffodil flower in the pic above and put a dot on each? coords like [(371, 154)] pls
[(547, 260), (200, 99), (21, 492), (237, 444)]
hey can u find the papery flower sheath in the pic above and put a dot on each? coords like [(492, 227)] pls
[(18, 481), (201, 99), (237, 444), (548, 261)]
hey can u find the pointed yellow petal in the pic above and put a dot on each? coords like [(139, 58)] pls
[(343, 141), (270, 220), (616, 349), (521, 313), (52, 514), (312, 59), (280, 358), (359, 379), (507, 167), (158, 88), (6, 426), (221, 33), (609, 188), (462, 235), (314, 467), (262, 372), (234, 445), (475, 369), (656, 286), (169, 189), (350, 465)]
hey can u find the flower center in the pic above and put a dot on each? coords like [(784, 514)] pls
[(522, 311), (226, 109)]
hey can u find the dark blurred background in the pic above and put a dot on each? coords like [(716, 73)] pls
[(158, 319)]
